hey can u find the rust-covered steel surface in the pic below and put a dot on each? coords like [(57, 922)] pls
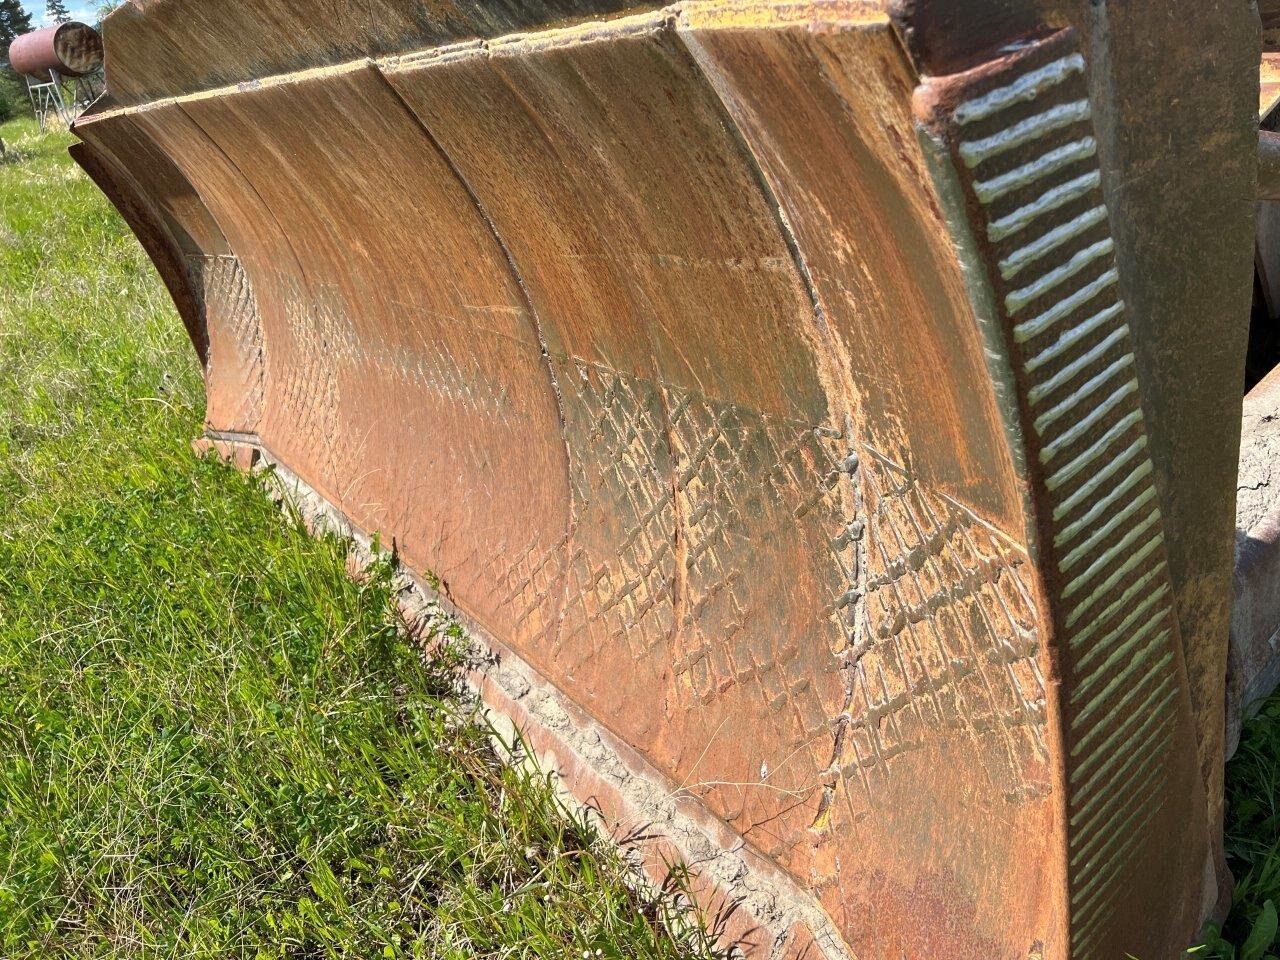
[(72, 49), (834, 409)]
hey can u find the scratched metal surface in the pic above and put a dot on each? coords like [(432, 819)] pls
[(657, 339), (164, 48), (951, 598)]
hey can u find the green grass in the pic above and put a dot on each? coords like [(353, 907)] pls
[(1253, 843), (212, 743)]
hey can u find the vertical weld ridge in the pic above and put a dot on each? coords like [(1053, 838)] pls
[(830, 369)]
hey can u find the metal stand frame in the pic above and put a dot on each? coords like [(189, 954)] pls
[(50, 102), (47, 101)]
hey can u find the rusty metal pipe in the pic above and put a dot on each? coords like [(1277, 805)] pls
[(72, 49)]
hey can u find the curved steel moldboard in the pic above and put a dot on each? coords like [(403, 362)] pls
[(795, 440)]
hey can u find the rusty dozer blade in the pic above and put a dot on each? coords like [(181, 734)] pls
[(829, 414)]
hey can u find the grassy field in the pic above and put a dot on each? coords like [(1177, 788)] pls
[(212, 744)]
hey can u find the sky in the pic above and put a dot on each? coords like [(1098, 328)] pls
[(86, 12)]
